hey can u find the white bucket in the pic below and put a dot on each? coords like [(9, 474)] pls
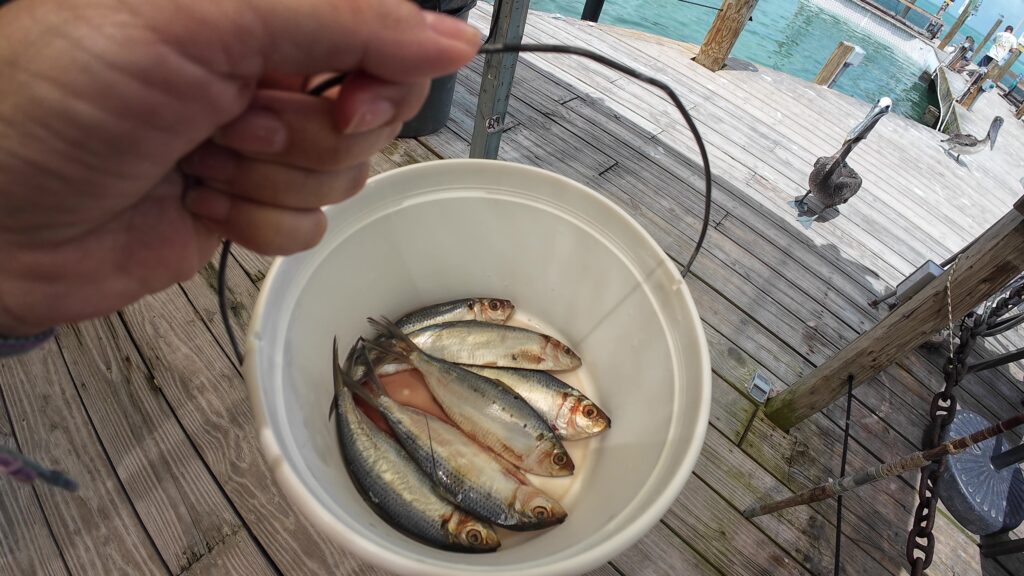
[(566, 257)]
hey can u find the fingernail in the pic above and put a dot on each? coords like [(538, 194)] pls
[(452, 28), (257, 131), (373, 115), (208, 203), (211, 162)]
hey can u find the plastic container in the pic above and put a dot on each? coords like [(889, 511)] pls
[(438, 105), (568, 258)]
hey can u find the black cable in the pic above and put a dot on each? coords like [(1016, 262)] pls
[(333, 81), (619, 67), (842, 472)]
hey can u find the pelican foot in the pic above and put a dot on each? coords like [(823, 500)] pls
[(807, 221)]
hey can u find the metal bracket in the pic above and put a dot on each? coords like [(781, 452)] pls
[(759, 387), (495, 124)]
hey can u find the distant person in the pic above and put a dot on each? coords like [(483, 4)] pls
[(1001, 46)]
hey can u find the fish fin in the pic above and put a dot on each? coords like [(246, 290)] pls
[(378, 388), (389, 330), (343, 378), (388, 350)]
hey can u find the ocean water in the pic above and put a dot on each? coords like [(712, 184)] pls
[(792, 36)]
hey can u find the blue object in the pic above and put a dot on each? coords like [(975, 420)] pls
[(982, 498), (10, 345)]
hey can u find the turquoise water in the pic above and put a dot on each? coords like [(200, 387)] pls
[(792, 36)]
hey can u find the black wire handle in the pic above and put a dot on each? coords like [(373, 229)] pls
[(333, 81)]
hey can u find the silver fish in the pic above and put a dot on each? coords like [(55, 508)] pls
[(471, 476), (493, 310), (394, 486), (570, 414), (481, 344), (486, 410)]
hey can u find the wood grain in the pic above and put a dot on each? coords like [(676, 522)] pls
[(27, 545), (53, 427), (175, 496), (209, 397), (724, 32)]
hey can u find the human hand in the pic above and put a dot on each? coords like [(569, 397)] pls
[(103, 99)]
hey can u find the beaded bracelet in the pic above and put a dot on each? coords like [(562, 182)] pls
[(10, 346)]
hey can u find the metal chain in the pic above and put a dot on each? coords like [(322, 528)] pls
[(920, 540)]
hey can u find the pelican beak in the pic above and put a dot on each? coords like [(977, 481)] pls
[(861, 131)]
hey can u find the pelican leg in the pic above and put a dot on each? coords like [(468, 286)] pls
[(800, 204)]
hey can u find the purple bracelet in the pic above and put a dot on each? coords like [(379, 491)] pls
[(11, 346)]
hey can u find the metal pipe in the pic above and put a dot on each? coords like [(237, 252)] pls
[(996, 362), (833, 488), (1008, 458), (592, 10)]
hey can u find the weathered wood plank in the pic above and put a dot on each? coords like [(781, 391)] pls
[(236, 554), (661, 553), (207, 393), (176, 498), (27, 545), (52, 426), (707, 523), (987, 265), (807, 535)]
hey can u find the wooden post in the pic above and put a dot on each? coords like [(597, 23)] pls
[(906, 9), (981, 45), (994, 73), (992, 260), (496, 81), (1020, 112), (592, 10), (829, 73), (724, 32), (957, 25)]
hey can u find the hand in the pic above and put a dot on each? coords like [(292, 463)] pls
[(102, 100)]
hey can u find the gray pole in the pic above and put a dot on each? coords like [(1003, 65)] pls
[(496, 82)]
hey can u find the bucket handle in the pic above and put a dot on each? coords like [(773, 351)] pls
[(489, 48)]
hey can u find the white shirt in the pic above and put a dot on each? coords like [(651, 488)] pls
[(1001, 46)]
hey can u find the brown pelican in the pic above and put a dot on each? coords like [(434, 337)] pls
[(832, 180), (966, 144)]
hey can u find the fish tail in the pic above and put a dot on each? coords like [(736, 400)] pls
[(378, 388), (343, 378), (398, 346)]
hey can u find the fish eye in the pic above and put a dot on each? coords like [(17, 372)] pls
[(540, 512), (589, 412), (474, 536), (566, 349), (494, 306), (559, 459)]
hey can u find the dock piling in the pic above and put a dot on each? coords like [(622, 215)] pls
[(592, 10), (957, 25), (845, 56), (991, 31), (724, 32), (995, 72), (496, 81), (992, 260)]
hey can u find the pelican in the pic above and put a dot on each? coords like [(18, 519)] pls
[(966, 144), (832, 180)]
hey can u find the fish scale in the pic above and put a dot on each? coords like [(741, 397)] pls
[(486, 410), (396, 487)]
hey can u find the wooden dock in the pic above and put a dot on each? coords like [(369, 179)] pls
[(148, 411)]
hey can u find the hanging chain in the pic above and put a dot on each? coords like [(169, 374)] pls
[(920, 540)]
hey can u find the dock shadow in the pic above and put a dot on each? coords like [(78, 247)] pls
[(736, 65), (954, 158)]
